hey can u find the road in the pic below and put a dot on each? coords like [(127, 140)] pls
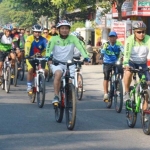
[(24, 126)]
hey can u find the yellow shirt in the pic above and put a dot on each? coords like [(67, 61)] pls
[(47, 38)]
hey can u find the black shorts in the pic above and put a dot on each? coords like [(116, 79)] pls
[(107, 68), (2, 56)]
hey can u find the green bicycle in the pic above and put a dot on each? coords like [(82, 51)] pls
[(139, 94)]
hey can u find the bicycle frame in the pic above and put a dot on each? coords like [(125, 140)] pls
[(137, 85)]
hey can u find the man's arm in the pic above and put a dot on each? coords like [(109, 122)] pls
[(50, 47), (127, 50), (80, 47)]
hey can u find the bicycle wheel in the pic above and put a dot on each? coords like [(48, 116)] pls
[(145, 115), (59, 110), (118, 96), (14, 74), (21, 71), (41, 92), (131, 115), (3, 83), (50, 74), (70, 109), (80, 86), (7, 79), (110, 94), (32, 95)]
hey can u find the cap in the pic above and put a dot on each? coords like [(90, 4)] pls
[(112, 33)]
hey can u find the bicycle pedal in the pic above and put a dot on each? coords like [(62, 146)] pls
[(106, 100), (12, 76), (30, 92), (55, 104)]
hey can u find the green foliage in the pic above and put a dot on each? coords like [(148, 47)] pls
[(78, 24)]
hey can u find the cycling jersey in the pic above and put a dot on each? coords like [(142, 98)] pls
[(16, 40), (111, 52), (32, 47), (136, 52), (63, 49), (5, 43), (47, 38)]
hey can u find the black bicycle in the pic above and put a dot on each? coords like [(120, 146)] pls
[(67, 98), (115, 88)]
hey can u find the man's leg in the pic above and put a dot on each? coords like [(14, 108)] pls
[(13, 59), (57, 84), (127, 81)]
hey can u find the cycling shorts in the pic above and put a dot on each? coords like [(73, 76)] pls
[(62, 68), (143, 66), (32, 64)]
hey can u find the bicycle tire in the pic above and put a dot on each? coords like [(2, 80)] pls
[(15, 72), (41, 92), (33, 95), (110, 93), (8, 79), (131, 115), (59, 110), (21, 72), (3, 83), (145, 116), (80, 87), (118, 94), (70, 109)]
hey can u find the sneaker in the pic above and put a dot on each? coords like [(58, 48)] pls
[(106, 98), (126, 96), (29, 89), (55, 100)]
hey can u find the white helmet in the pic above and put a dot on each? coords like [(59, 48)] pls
[(37, 28), (139, 25), (63, 23), (75, 33)]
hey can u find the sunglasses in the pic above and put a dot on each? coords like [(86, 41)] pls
[(45, 32), (139, 32)]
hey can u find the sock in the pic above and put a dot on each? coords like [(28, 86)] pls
[(29, 84)]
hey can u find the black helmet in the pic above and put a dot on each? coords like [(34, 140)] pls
[(37, 28)]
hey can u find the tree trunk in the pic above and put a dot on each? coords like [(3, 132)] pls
[(57, 16), (119, 5)]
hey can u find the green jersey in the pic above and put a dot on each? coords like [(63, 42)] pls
[(63, 49), (136, 52)]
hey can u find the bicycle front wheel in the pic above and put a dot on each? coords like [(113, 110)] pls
[(80, 86), (14, 74), (118, 96), (7, 79), (70, 109), (145, 114), (21, 70), (41, 92), (131, 115), (59, 110), (110, 94)]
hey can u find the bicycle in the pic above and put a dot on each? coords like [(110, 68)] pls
[(139, 92), (78, 79), (67, 98), (6, 73), (21, 69), (38, 87), (116, 88)]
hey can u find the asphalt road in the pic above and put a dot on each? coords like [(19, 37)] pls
[(24, 126)]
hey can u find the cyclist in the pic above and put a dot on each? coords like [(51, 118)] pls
[(16, 42), (137, 47), (109, 55), (45, 34), (5, 46), (53, 31), (34, 44), (63, 48)]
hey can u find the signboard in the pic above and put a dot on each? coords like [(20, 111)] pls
[(143, 8)]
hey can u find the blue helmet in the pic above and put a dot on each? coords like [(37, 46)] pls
[(8, 27)]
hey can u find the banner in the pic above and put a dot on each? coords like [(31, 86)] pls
[(143, 8)]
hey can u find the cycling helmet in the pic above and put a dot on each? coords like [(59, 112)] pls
[(63, 23), (8, 27), (75, 33), (139, 25), (37, 28)]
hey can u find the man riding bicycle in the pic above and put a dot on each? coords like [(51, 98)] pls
[(135, 54), (34, 44), (5, 46), (109, 55), (63, 49)]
